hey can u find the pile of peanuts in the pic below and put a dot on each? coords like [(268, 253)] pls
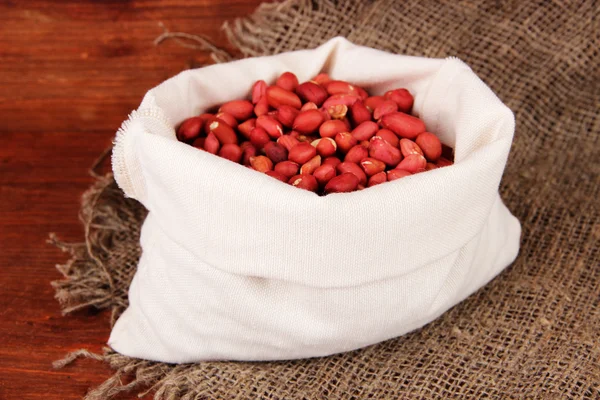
[(324, 135)]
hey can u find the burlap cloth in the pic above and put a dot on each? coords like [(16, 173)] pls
[(534, 331)]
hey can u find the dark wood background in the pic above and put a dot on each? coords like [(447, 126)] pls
[(70, 72)]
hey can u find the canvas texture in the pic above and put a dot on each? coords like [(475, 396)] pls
[(236, 265)]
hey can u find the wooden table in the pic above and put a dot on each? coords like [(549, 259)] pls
[(70, 72)]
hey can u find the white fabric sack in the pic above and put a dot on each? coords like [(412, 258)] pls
[(237, 265)]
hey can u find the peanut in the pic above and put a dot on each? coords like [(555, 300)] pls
[(312, 93), (277, 97), (310, 166), (353, 169), (307, 182), (223, 132), (326, 147), (259, 90), (287, 81), (324, 173), (302, 152), (232, 152), (385, 107), (431, 146), (261, 163), (190, 129), (287, 168), (356, 154), (241, 110), (402, 98), (403, 125), (376, 179), (286, 115), (346, 182), (345, 141), (407, 147), (383, 151), (413, 163), (331, 128), (277, 175), (308, 121), (276, 152), (394, 174), (372, 166), (359, 113), (365, 130)]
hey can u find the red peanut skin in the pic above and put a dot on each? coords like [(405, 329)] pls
[(408, 147), (356, 154), (376, 179), (287, 168), (262, 107), (326, 147), (402, 98), (211, 144), (277, 97), (309, 106), (353, 169), (324, 173), (277, 175), (276, 152), (331, 128), (310, 166), (430, 145), (199, 143), (288, 141), (332, 161), (346, 182), (340, 99), (227, 118), (312, 92), (359, 113), (286, 115), (413, 163), (270, 125), (365, 130), (248, 150), (443, 162), (384, 108), (302, 152), (394, 174), (241, 110), (345, 141), (246, 127), (372, 166), (287, 81), (259, 137), (383, 151), (307, 182), (321, 79), (403, 125), (389, 137), (261, 163), (372, 102), (231, 152), (308, 122), (222, 131), (259, 91), (190, 129)]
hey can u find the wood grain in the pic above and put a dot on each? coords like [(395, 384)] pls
[(70, 72)]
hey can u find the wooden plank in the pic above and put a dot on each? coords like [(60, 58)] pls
[(70, 72)]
